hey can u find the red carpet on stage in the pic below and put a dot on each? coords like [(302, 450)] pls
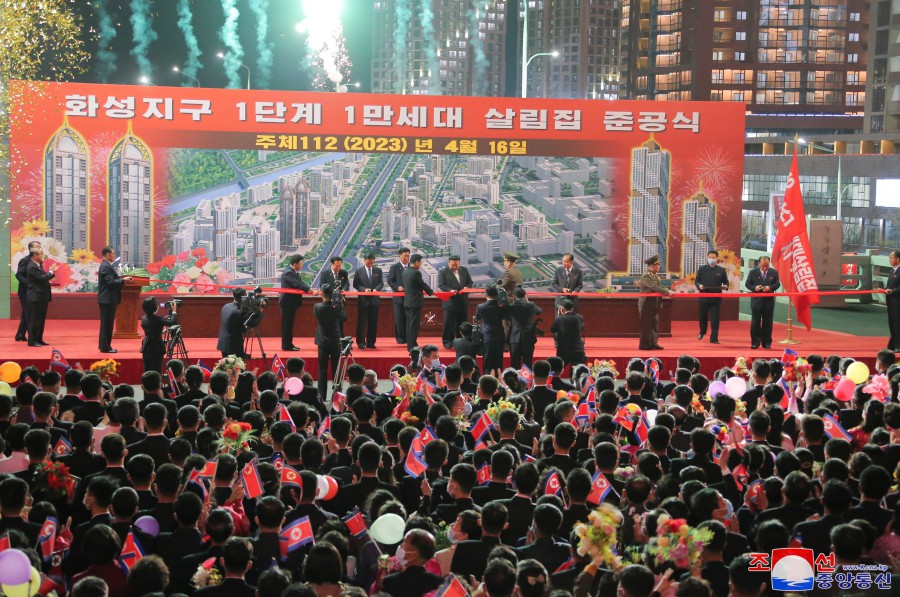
[(77, 341)]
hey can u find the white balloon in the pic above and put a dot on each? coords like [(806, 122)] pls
[(736, 387), (388, 529)]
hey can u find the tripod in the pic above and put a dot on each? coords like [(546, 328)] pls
[(251, 334), (346, 359), (174, 341)]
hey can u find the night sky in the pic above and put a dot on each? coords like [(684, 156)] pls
[(169, 50)]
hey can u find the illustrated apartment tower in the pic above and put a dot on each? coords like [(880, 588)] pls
[(66, 199), (130, 215), (648, 226), (294, 209), (699, 231)]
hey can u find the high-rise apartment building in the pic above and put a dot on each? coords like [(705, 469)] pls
[(66, 196), (698, 228), (648, 229), (796, 64), (387, 222), (130, 179), (293, 194), (454, 48), (883, 77), (265, 252)]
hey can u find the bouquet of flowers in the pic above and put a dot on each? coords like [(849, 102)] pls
[(598, 536), (207, 575), (879, 388), (106, 368), (407, 384), (741, 369), (677, 543), (497, 407), (236, 438), (571, 396), (598, 366), (189, 271), (718, 429), (697, 406), (440, 535), (53, 481), (409, 418), (796, 371), (624, 473), (232, 365)]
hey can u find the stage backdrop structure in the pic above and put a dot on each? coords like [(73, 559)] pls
[(200, 188)]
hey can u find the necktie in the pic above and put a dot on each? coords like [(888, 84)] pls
[(369, 273)]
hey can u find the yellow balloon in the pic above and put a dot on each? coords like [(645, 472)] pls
[(10, 371), (858, 372), (27, 589), (5, 389)]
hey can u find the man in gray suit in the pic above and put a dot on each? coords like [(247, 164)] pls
[(454, 278), (413, 301), (567, 280)]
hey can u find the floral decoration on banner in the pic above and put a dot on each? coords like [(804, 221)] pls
[(727, 259), (741, 368), (494, 410), (598, 538), (623, 473), (189, 271), (232, 365), (878, 388), (796, 371), (105, 368), (54, 481), (677, 543), (236, 438), (599, 366), (75, 273)]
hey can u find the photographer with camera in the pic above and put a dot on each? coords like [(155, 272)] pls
[(568, 333), (152, 346), (330, 317), (231, 326), (522, 334), (492, 315), (466, 344)]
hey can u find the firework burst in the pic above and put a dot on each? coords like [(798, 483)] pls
[(326, 55)]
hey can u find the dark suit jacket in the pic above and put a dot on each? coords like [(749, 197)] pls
[(521, 511), (82, 463), (755, 278), (521, 321), (395, 280), (89, 411), (291, 279), (893, 284), (449, 512), (710, 468), (567, 331), (22, 276), (447, 282), (413, 286), (552, 554), (174, 546), (415, 581), (575, 284), (494, 490), (470, 557), (491, 315), (328, 330), (361, 283), (816, 534), (109, 288), (541, 398), (14, 523), (230, 587), (155, 446), (38, 283), (231, 330), (356, 494), (153, 326), (327, 277), (712, 279)]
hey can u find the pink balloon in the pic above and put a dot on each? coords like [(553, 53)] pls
[(845, 389), (293, 386)]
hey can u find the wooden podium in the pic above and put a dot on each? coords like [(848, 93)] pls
[(129, 312)]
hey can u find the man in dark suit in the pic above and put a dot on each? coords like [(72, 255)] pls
[(329, 318), (231, 326), (109, 295), (759, 280), (470, 557), (237, 554), (413, 301), (567, 333), (367, 279), (335, 272), (291, 301), (395, 281), (491, 316), (22, 277), (156, 444), (153, 349), (893, 301), (567, 280), (545, 549), (454, 278), (38, 295), (414, 580), (522, 337), (711, 279)]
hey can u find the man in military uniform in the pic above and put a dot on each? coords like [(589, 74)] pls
[(648, 306), (711, 279), (512, 277)]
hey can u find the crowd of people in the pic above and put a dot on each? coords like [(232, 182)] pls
[(534, 482)]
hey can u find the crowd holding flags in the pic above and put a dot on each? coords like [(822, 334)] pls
[(278, 367), (131, 554), (58, 360), (252, 482), (295, 535)]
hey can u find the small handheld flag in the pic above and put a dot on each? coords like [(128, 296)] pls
[(426, 435), (551, 485), (526, 376), (278, 367), (206, 370), (833, 429), (653, 370), (253, 486), (131, 554), (209, 469), (47, 538), (324, 426), (338, 402), (296, 535), (284, 415), (481, 426), (415, 464), (290, 477), (397, 390), (642, 428), (356, 524), (600, 488), (483, 474), (789, 356), (62, 447), (452, 587), (58, 360)]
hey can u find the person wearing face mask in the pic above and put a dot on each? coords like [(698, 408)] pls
[(711, 279), (431, 362), (466, 527), (463, 479), (413, 580)]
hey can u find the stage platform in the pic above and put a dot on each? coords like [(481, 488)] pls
[(77, 340)]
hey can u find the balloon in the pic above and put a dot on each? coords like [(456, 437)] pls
[(388, 529), (845, 389), (10, 371), (14, 567), (326, 487), (148, 524), (30, 587), (857, 371), (293, 386), (5, 389), (716, 388), (736, 387)]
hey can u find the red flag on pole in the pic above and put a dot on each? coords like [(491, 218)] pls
[(791, 255)]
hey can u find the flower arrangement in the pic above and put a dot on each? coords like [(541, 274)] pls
[(797, 370), (623, 473), (598, 537), (232, 365), (571, 396), (497, 407), (52, 480), (188, 271), (236, 438), (598, 366), (409, 418), (697, 406), (440, 535), (106, 368), (407, 384), (741, 369), (740, 409), (878, 387), (677, 543), (208, 574)]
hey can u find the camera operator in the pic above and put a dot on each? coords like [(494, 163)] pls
[(568, 332), (522, 336), (231, 326), (338, 279), (152, 347), (492, 317), (329, 318), (466, 344)]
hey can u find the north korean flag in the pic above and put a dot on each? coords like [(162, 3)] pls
[(550, 380), (284, 415), (296, 535), (789, 356), (642, 428), (356, 524), (452, 588), (426, 435), (200, 485), (206, 370), (624, 418), (600, 488), (754, 491), (591, 396), (290, 477), (786, 399), (653, 369), (551, 484), (4, 542), (584, 414), (526, 376), (47, 538), (209, 470), (415, 465), (833, 429), (278, 366), (481, 426), (253, 485), (173, 385), (131, 554), (586, 382), (480, 444), (58, 360), (740, 475), (63, 446), (339, 402), (483, 474), (324, 426), (278, 461), (397, 390)]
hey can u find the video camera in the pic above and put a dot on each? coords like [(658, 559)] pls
[(477, 333), (502, 295), (171, 305), (337, 297), (254, 302)]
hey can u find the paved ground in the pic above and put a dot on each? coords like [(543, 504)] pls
[(860, 320)]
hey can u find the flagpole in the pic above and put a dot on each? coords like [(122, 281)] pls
[(790, 324)]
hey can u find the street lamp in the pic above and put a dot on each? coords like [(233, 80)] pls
[(222, 56), (145, 80), (175, 69), (345, 87), (554, 54), (839, 188)]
